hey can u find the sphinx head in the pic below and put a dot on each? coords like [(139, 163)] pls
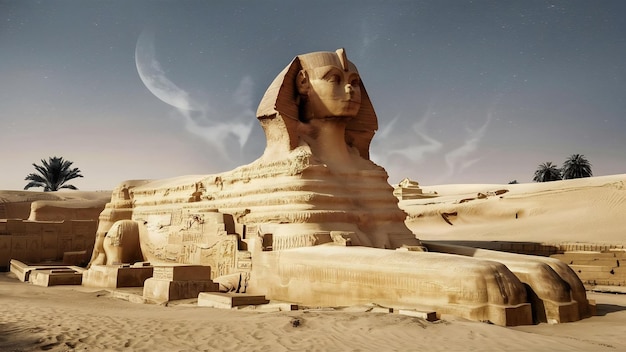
[(328, 86), (316, 86)]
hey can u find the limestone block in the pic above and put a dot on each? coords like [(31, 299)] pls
[(56, 277), (182, 272), (557, 312), (115, 276), (20, 270), (24, 271), (160, 290), (429, 315), (227, 300)]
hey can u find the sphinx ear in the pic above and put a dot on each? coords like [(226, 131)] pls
[(303, 83)]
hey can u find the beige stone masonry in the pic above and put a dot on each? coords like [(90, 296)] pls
[(178, 282), (227, 300), (182, 273), (115, 276), (24, 271), (429, 316), (56, 277)]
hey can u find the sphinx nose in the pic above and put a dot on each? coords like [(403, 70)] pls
[(349, 89)]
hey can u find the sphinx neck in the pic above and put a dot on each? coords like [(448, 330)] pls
[(326, 138)]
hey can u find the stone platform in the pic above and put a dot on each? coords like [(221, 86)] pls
[(55, 277), (47, 275), (116, 276), (227, 300), (171, 283)]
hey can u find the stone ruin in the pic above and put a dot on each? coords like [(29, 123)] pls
[(313, 221), (41, 227)]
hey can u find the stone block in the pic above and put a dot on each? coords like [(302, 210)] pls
[(20, 270), (182, 273), (557, 312), (56, 277), (426, 315), (159, 290), (24, 271), (115, 276), (227, 300)]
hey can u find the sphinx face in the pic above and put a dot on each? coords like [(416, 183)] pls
[(333, 92)]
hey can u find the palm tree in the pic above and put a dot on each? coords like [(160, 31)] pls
[(53, 174), (576, 166), (547, 172)]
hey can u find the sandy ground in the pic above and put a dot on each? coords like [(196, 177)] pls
[(71, 318)]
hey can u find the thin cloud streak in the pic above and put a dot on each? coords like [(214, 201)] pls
[(225, 129), (458, 159)]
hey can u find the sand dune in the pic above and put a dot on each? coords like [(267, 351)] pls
[(581, 210)]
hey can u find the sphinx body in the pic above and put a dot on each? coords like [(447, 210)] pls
[(314, 221)]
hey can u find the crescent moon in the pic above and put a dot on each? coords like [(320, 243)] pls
[(153, 76)]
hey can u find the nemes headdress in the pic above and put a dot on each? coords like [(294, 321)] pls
[(278, 111)]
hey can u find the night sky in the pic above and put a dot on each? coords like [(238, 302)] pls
[(465, 91)]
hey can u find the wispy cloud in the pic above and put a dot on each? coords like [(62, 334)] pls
[(417, 152), (462, 157), (225, 127), (413, 144)]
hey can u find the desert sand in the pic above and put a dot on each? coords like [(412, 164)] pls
[(587, 210), (73, 318), (66, 318)]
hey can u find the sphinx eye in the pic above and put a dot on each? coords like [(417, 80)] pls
[(333, 78), (355, 82)]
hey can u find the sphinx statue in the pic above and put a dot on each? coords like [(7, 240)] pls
[(314, 221)]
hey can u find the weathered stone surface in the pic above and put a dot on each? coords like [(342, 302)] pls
[(23, 271), (227, 300), (56, 277), (182, 272), (40, 227), (312, 219), (429, 316), (166, 290), (114, 276)]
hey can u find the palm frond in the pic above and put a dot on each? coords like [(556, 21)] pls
[(53, 174)]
